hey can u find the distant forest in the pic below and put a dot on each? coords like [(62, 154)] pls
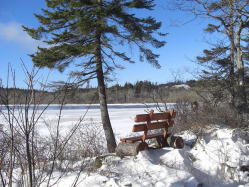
[(139, 92)]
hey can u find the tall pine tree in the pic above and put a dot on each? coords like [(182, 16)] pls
[(89, 30)]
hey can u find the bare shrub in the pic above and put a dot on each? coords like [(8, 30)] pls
[(88, 141), (204, 115), (28, 157)]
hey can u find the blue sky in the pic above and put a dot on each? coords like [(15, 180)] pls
[(182, 43)]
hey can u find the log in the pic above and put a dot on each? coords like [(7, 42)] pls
[(170, 141), (159, 143), (130, 149), (175, 142)]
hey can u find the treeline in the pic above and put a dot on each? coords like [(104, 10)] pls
[(139, 92), (146, 91)]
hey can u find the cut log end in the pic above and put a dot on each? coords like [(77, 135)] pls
[(179, 143)]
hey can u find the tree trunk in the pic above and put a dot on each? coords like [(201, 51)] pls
[(111, 143), (232, 59), (242, 105)]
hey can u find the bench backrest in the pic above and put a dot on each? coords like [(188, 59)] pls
[(152, 122)]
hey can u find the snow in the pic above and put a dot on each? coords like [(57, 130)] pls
[(215, 162), (181, 86)]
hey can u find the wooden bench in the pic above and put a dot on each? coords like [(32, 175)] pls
[(165, 122), (129, 146)]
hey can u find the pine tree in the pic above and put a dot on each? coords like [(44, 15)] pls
[(228, 59), (218, 75), (88, 30)]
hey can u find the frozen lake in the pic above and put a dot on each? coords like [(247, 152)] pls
[(121, 115), (93, 106)]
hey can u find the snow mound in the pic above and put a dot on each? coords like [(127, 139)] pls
[(216, 161)]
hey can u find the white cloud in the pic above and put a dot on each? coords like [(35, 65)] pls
[(13, 32)]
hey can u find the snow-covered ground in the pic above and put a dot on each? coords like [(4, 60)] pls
[(214, 162)]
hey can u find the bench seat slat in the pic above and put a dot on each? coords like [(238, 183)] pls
[(139, 138)]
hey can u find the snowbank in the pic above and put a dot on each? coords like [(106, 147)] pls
[(215, 162)]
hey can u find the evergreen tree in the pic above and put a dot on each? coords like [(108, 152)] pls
[(218, 76), (226, 61), (88, 30), (227, 58)]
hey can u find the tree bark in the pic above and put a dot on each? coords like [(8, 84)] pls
[(130, 149), (242, 105), (111, 143), (230, 34)]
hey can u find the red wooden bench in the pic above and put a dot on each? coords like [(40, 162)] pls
[(152, 121)]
